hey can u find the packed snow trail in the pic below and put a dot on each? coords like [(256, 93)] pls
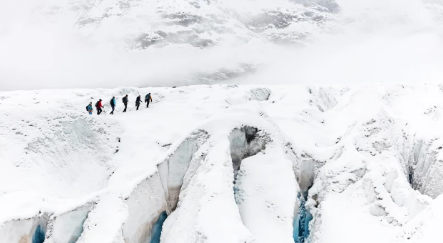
[(67, 176)]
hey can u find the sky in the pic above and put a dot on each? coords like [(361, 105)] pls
[(369, 41)]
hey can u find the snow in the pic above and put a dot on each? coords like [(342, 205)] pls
[(266, 201), (353, 224), (223, 163)]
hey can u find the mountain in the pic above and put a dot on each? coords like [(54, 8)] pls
[(109, 43), (195, 23)]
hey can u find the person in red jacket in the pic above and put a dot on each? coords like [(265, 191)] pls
[(99, 106)]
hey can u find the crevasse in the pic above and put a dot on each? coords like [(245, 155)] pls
[(39, 235), (157, 228), (301, 222)]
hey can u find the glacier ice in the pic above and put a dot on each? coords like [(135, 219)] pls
[(424, 168), (244, 142), (250, 164), (173, 169), (303, 216), (301, 222), (68, 226), (39, 235), (157, 228), (144, 205), (31, 230)]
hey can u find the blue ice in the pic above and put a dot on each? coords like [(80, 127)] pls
[(39, 235), (301, 222), (157, 228)]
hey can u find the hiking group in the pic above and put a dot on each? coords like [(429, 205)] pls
[(113, 103)]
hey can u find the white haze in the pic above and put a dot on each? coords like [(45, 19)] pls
[(380, 41), (369, 41)]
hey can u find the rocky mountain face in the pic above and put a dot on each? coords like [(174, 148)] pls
[(142, 24)]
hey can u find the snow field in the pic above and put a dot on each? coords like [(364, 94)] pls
[(225, 162)]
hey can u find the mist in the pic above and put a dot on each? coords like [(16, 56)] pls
[(42, 46)]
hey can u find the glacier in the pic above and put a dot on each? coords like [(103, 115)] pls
[(281, 122), (223, 163)]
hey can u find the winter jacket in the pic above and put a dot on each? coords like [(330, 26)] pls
[(113, 103), (89, 108), (138, 100), (125, 100), (148, 98), (99, 104)]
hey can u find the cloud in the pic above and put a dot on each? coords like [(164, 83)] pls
[(372, 41)]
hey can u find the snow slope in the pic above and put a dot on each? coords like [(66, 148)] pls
[(223, 163)]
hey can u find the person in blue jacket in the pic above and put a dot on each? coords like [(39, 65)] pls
[(89, 108), (113, 103)]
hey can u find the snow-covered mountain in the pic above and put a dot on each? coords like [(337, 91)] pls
[(109, 43), (196, 23), (223, 163)]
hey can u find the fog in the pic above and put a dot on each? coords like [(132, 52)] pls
[(369, 41)]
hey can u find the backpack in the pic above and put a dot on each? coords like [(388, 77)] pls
[(123, 99), (87, 108), (96, 104), (112, 103)]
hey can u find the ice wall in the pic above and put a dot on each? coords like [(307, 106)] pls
[(24, 230)]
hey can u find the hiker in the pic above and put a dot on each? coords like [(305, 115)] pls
[(125, 102), (99, 106), (89, 108), (138, 101), (148, 98), (113, 103)]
